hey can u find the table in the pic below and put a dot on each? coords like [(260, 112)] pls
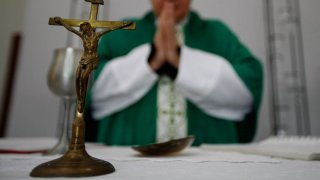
[(191, 164)]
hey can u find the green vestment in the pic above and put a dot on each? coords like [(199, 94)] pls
[(137, 123)]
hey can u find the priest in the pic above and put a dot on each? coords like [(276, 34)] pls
[(177, 74)]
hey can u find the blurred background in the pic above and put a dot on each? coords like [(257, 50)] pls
[(283, 34)]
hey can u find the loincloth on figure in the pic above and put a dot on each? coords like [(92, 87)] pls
[(89, 60)]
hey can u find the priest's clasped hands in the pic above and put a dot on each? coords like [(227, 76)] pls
[(165, 41)]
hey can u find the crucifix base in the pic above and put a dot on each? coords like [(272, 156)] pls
[(75, 163)]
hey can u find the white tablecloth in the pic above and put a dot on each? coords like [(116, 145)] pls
[(193, 164)]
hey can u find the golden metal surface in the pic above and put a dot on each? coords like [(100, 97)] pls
[(76, 162), (94, 24)]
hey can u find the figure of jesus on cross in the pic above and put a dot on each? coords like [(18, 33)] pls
[(90, 59), (90, 39)]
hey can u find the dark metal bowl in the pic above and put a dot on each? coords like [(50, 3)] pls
[(165, 148)]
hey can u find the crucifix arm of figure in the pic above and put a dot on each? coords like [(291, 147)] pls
[(60, 21)]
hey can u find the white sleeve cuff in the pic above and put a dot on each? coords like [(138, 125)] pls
[(122, 82), (211, 83)]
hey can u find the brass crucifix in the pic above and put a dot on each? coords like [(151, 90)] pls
[(76, 162)]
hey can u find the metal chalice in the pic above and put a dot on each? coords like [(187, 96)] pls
[(61, 81)]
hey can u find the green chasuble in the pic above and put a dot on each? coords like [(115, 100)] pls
[(136, 124)]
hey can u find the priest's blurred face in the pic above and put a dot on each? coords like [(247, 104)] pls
[(181, 7)]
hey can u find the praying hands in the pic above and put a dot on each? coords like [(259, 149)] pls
[(165, 40)]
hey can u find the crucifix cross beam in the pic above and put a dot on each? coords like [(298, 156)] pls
[(93, 19)]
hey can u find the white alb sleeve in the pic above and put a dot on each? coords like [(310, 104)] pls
[(122, 82), (211, 83)]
